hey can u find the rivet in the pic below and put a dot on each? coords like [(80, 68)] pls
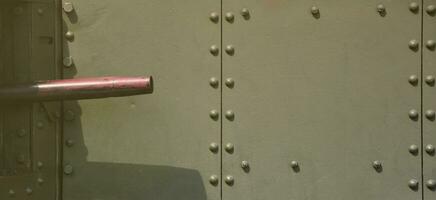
[(29, 191), (40, 181), (245, 13), (214, 180), (430, 114), (230, 83), (245, 165), (314, 10), (214, 147), (68, 7), (21, 159), (430, 44), (69, 115), (39, 164), (295, 166), (11, 193), (68, 61), (413, 114), (40, 11), (414, 7), (230, 115), (377, 165), (214, 82), (69, 143), (413, 44), (21, 133), (40, 125), (429, 149), (230, 49), (69, 35), (413, 149), (229, 180), (413, 184), (229, 147), (430, 9), (230, 17), (214, 114), (430, 80), (431, 184), (381, 9), (68, 169), (214, 50), (413, 79)]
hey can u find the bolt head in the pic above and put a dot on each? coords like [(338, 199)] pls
[(413, 114), (68, 7), (230, 17), (295, 164), (40, 11), (245, 165), (69, 143), (29, 190), (413, 44), (413, 79), (230, 83), (214, 82), (229, 148), (214, 17), (314, 10), (69, 35), (429, 80), (430, 114), (430, 44), (431, 184), (214, 180), (39, 164), (40, 125), (413, 184), (377, 165), (40, 181), (230, 115), (214, 50), (230, 49), (414, 7), (214, 147), (21, 133), (68, 61), (414, 149), (68, 169), (381, 9), (11, 193), (245, 13), (429, 149), (229, 180), (214, 114), (431, 9)]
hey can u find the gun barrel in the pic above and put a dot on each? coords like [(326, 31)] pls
[(75, 89)]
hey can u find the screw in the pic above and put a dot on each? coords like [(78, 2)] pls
[(430, 114), (213, 180), (413, 149), (413, 79), (431, 10), (430, 80), (69, 35), (214, 82), (230, 17), (430, 44), (214, 50), (414, 7), (413, 44), (214, 17), (413, 114), (68, 7), (229, 148), (229, 180), (377, 165), (214, 147), (230, 115), (413, 184), (230, 49), (431, 184), (429, 149), (214, 114)]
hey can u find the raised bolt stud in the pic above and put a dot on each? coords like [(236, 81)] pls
[(414, 7), (413, 79), (430, 44), (214, 147), (413, 184), (214, 82), (214, 50), (414, 44), (69, 143), (230, 115), (430, 80), (68, 61), (381, 9), (429, 149), (414, 149), (68, 169), (214, 17), (214, 180), (68, 7), (230, 83), (230, 49), (229, 180), (29, 191), (314, 10), (431, 10), (245, 165), (245, 13), (69, 35), (229, 148), (430, 114), (214, 114), (377, 165), (230, 17), (413, 114), (431, 184)]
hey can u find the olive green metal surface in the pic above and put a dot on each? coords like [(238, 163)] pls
[(329, 91), (143, 147)]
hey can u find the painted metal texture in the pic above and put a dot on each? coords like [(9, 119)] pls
[(75, 89), (324, 99), (161, 146), (28, 132)]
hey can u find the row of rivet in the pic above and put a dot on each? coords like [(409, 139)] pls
[(28, 190), (69, 35)]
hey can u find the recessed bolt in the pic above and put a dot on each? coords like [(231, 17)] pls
[(214, 82), (68, 169), (68, 7), (245, 165), (230, 180), (413, 114), (29, 191), (230, 17), (245, 13), (214, 17), (431, 9), (214, 147), (377, 165), (430, 44), (413, 44), (214, 50), (230, 49), (414, 149), (230, 83), (413, 79), (214, 114), (68, 61), (229, 148), (430, 114), (214, 180), (430, 80), (413, 184), (69, 143), (11, 193), (431, 184), (429, 149), (381, 9), (69, 35), (230, 115), (414, 7)]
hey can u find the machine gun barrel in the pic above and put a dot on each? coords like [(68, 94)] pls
[(75, 89)]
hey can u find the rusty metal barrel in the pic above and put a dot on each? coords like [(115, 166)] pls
[(76, 89)]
